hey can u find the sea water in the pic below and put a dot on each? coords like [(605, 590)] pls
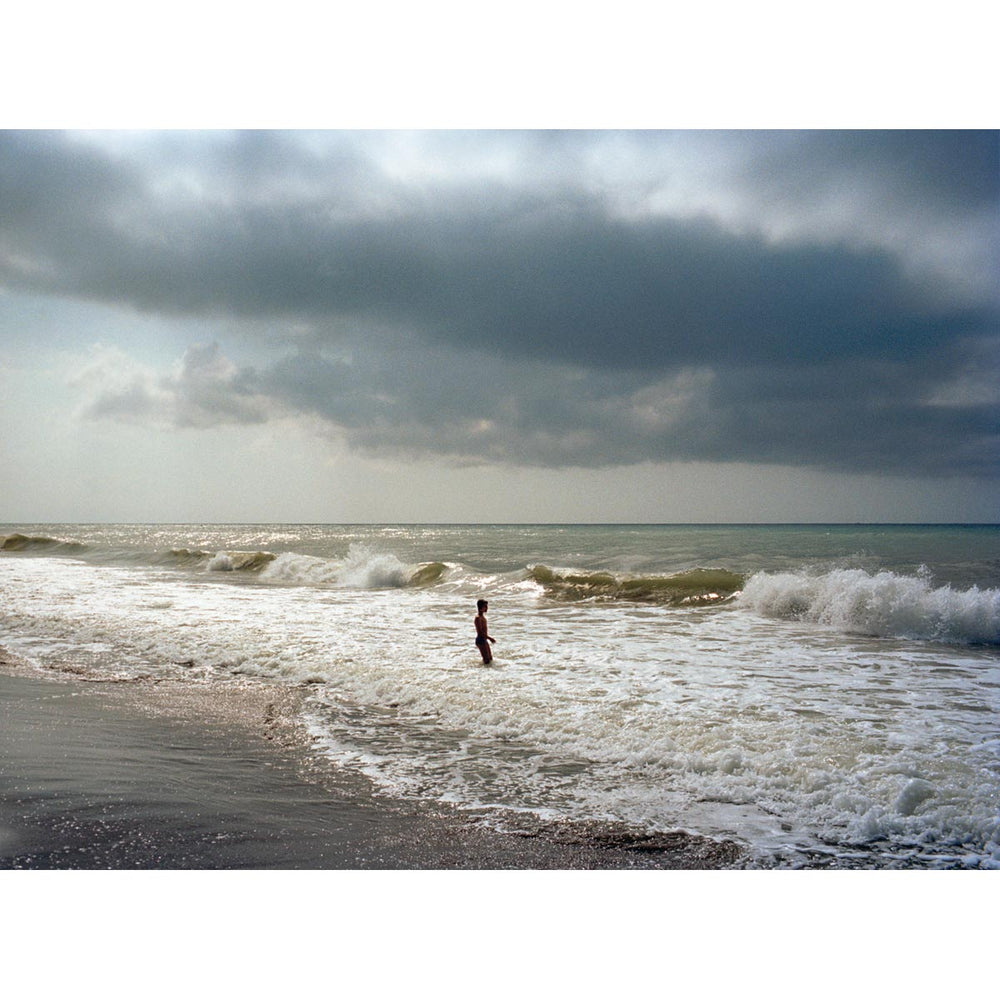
[(823, 694)]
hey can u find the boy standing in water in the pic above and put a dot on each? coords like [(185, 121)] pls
[(481, 634)]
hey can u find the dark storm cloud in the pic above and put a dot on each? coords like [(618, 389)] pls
[(949, 171), (529, 320)]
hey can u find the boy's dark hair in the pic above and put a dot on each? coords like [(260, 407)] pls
[(480, 604)]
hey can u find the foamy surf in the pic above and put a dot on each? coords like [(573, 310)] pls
[(839, 703), (234, 562), (361, 569), (878, 604)]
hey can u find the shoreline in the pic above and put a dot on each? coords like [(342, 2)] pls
[(103, 774)]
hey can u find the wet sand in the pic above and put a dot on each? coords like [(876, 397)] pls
[(140, 775)]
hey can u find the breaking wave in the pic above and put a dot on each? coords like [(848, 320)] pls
[(696, 586), (878, 604), (428, 574), (230, 562), (362, 569), (183, 557)]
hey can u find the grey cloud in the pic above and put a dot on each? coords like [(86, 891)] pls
[(842, 416), (929, 198), (537, 279), (947, 171), (206, 390), (529, 319), (471, 407)]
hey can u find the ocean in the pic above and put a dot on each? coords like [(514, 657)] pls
[(823, 695)]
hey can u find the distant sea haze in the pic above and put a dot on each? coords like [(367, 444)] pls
[(821, 694)]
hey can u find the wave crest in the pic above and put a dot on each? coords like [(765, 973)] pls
[(362, 569), (428, 574), (28, 543), (695, 586), (879, 604), (183, 557), (228, 562)]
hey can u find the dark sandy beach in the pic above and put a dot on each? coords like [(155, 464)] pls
[(103, 775)]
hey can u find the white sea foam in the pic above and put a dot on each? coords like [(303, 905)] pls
[(362, 569), (778, 732), (878, 604)]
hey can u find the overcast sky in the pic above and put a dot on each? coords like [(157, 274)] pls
[(499, 326)]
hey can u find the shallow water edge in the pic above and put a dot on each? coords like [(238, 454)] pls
[(164, 774)]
